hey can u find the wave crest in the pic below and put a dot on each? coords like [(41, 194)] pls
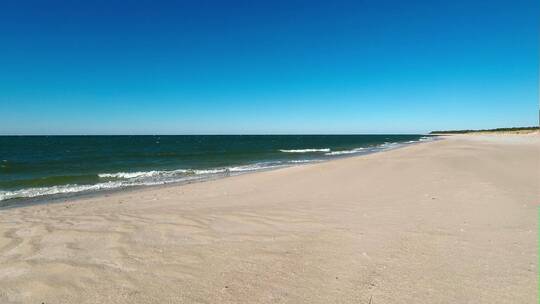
[(345, 152), (305, 150), (141, 178), (40, 191)]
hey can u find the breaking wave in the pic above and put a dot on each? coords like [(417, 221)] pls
[(119, 180), (116, 180), (305, 150), (345, 152)]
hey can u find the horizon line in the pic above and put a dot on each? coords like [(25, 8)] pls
[(219, 134)]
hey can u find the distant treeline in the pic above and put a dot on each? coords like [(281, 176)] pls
[(486, 130)]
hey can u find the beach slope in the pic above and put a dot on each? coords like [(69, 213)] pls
[(450, 221)]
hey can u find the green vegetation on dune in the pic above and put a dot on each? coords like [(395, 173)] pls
[(486, 130)]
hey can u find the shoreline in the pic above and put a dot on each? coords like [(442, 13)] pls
[(89, 194), (448, 221)]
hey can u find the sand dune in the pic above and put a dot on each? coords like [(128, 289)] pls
[(451, 221)]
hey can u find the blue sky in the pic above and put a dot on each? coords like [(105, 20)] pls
[(259, 67)]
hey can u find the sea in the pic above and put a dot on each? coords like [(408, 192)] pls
[(51, 166)]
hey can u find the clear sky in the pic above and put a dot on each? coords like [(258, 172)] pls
[(258, 67)]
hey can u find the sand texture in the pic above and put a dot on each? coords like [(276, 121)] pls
[(451, 221)]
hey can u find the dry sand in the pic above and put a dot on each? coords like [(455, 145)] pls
[(452, 221)]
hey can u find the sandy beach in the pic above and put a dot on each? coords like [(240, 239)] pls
[(449, 221)]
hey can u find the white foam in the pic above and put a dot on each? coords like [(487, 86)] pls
[(74, 188), (344, 152), (128, 174), (33, 192), (305, 150), (171, 173), (206, 171), (256, 167), (180, 172), (388, 145), (156, 173), (130, 179), (303, 161)]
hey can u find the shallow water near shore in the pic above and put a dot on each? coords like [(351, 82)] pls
[(39, 166)]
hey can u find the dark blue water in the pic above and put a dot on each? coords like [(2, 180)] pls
[(33, 166)]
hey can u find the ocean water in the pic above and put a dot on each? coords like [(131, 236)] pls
[(44, 166)]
